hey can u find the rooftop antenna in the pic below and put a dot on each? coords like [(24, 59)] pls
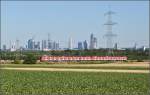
[(109, 35)]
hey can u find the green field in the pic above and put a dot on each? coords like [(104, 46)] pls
[(72, 83)]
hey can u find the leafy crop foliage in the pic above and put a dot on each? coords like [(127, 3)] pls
[(72, 83)]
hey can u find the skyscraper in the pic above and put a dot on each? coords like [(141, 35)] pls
[(54, 45), (57, 46), (49, 43), (80, 47), (4, 47), (31, 44), (85, 45), (44, 45), (17, 45), (13, 47), (93, 42), (135, 46), (116, 46), (37, 46), (70, 44)]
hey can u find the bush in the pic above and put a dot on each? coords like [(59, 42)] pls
[(30, 59), (139, 59), (17, 62)]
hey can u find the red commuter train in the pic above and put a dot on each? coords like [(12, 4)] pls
[(82, 58)]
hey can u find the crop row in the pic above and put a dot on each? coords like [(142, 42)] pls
[(62, 83)]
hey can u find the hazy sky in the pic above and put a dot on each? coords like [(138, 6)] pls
[(76, 19)]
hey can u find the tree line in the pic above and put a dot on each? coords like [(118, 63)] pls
[(21, 55)]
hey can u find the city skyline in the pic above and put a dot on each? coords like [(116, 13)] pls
[(48, 44), (78, 22)]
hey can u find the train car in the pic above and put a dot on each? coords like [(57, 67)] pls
[(82, 58)]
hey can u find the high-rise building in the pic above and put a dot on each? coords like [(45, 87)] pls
[(4, 47), (57, 46), (135, 46), (44, 45), (80, 47), (13, 47), (93, 42), (50, 45), (17, 45), (116, 46), (37, 46), (85, 45), (31, 44), (54, 45), (70, 44)]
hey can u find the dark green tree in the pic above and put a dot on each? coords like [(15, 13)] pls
[(30, 59)]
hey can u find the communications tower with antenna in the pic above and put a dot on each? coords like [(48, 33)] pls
[(109, 35)]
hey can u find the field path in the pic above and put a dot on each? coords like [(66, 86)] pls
[(78, 70), (118, 64), (140, 64)]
